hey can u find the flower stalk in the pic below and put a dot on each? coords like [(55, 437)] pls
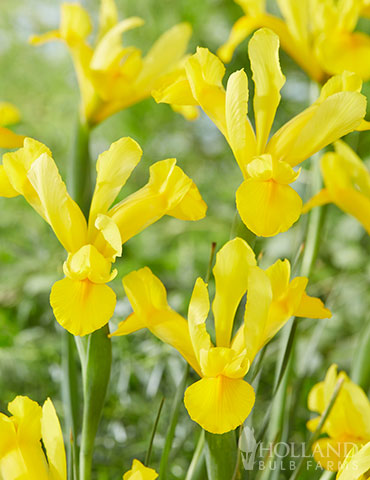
[(221, 455)]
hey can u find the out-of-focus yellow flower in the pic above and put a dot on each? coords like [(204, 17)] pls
[(318, 34), (221, 400), (9, 115), (112, 76), (140, 472), (347, 184), (266, 202), (82, 302), (348, 423), (22, 457), (356, 465)]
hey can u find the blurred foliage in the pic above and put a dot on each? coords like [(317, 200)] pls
[(41, 82)]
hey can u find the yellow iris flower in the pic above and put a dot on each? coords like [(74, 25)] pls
[(82, 302), (347, 184), (22, 457), (348, 423), (221, 400), (112, 76), (140, 472), (356, 465), (9, 115), (266, 202), (318, 34)]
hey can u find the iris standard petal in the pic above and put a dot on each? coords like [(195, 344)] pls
[(219, 404), (263, 52), (231, 272), (197, 316), (52, 439)]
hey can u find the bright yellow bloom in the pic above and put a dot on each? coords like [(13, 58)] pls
[(356, 465), (140, 472), (221, 400), (347, 184), (266, 202), (112, 76), (22, 457), (318, 34), (348, 423), (9, 115), (82, 302)]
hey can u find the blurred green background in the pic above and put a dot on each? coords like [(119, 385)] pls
[(41, 82)]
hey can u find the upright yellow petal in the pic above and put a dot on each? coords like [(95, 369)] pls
[(219, 404), (256, 312), (108, 16), (267, 207), (263, 52), (140, 472), (197, 316), (27, 415), (174, 88), (164, 56), (252, 7), (148, 299), (169, 191), (59, 210), (113, 168), (239, 130), (296, 15), (205, 73), (231, 271), (52, 439), (109, 50), (75, 22), (81, 307)]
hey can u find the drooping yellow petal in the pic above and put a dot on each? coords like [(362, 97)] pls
[(52, 439), (205, 73), (27, 416), (197, 316), (356, 464), (169, 191), (9, 139), (81, 307), (256, 312), (267, 207), (140, 472), (296, 16), (311, 307), (321, 198), (239, 130), (231, 271), (113, 167), (132, 324), (58, 208), (336, 116), (263, 52), (148, 299), (164, 56), (174, 88), (6, 189), (219, 404)]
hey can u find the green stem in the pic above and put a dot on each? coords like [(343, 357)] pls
[(172, 425), (79, 174), (361, 366), (155, 426), (221, 455), (96, 376), (197, 462), (70, 393)]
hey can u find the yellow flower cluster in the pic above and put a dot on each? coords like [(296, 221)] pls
[(222, 400)]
